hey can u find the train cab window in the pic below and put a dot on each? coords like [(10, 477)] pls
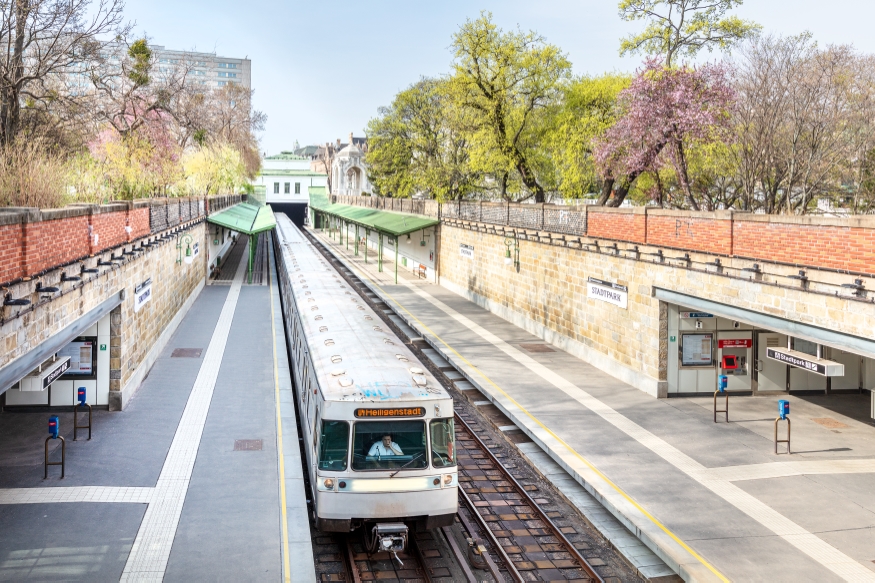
[(443, 444), (389, 445), (333, 445)]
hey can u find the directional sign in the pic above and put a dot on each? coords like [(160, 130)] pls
[(827, 368)]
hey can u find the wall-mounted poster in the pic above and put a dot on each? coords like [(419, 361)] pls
[(696, 350), (83, 357)]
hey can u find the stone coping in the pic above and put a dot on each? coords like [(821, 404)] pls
[(18, 215)]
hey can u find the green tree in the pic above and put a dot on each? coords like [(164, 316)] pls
[(678, 28), (418, 145), (505, 80), (588, 108)]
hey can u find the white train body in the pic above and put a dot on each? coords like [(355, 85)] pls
[(377, 426)]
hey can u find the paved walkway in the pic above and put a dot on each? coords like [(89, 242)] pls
[(712, 500), (185, 483)]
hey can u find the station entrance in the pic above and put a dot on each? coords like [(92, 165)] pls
[(707, 339)]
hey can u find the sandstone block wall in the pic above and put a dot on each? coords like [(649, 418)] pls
[(548, 296)]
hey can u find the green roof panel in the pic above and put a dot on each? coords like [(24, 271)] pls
[(245, 218), (395, 224)]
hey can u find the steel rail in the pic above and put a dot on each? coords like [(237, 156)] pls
[(493, 540), (352, 570), (417, 552), (461, 559), (557, 532)]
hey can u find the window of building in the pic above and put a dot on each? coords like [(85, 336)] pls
[(286, 190), (222, 83), (227, 65), (297, 188), (276, 187)]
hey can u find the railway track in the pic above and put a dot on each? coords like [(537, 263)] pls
[(510, 534), (525, 544)]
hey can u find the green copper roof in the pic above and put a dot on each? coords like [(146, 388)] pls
[(396, 224), (286, 172), (318, 197), (286, 155), (245, 218)]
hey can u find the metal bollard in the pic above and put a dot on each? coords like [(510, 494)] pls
[(721, 388), (81, 401), (783, 412), (54, 434)]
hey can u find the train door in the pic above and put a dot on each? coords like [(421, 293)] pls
[(771, 374)]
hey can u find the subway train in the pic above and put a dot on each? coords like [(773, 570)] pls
[(377, 426)]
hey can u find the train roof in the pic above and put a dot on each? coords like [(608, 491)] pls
[(356, 355)]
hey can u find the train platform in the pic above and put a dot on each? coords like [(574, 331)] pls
[(712, 500), (198, 479)]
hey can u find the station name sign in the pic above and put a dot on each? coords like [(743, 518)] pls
[(605, 291), (466, 251), (395, 412), (827, 368), (53, 376), (142, 294)]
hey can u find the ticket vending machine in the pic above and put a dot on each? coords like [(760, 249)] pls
[(734, 352)]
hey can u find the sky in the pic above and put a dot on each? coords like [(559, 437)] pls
[(321, 70)]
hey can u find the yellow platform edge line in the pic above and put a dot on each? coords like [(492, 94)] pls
[(287, 569), (589, 464)]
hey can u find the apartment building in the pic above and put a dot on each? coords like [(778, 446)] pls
[(208, 68)]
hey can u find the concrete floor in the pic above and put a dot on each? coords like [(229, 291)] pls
[(230, 525)]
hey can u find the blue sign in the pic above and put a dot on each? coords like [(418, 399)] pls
[(80, 394), (783, 408), (722, 381), (53, 426)]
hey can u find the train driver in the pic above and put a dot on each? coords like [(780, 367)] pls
[(385, 447)]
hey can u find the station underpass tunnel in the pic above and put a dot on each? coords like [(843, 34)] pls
[(763, 355)]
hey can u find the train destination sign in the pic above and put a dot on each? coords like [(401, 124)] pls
[(827, 368), (394, 412), (613, 293)]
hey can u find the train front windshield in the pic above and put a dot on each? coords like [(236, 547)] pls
[(389, 445)]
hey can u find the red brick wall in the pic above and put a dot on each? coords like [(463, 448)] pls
[(11, 252), (28, 248), (621, 226), (138, 221), (110, 228), (50, 243), (830, 246), (684, 231)]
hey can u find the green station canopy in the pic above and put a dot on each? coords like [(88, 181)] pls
[(395, 224), (245, 218)]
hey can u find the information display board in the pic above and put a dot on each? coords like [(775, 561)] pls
[(697, 350), (83, 357)]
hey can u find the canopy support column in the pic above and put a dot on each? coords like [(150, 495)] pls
[(356, 239), (253, 242), (380, 253), (396, 259), (367, 238)]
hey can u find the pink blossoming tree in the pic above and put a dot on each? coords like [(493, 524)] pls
[(663, 111)]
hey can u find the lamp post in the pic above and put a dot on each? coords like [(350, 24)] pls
[(512, 243), (188, 240)]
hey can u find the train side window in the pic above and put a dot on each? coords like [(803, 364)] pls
[(334, 445), (443, 443)]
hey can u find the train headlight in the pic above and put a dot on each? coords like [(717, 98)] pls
[(329, 483), (448, 479)]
